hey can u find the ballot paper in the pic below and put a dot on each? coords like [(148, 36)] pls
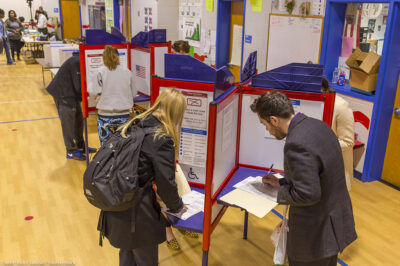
[(194, 202), (254, 204), (254, 185)]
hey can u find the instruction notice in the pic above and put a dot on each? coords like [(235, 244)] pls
[(193, 148)]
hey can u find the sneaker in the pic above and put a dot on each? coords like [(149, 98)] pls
[(91, 150), (76, 156), (174, 244)]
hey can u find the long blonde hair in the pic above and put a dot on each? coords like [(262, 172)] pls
[(111, 57), (169, 108)]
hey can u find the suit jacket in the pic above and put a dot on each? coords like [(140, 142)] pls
[(66, 85), (343, 126), (321, 222)]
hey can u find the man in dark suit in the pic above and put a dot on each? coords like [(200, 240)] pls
[(321, 222), (66, 91)]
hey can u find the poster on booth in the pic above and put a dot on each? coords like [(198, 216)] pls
[(193, 149), (94, 61)]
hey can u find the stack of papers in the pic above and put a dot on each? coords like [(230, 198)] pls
[(253, 196), (254, 185), (194, 202)]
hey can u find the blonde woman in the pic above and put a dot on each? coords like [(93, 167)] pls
[(115, 90), (156, 164)]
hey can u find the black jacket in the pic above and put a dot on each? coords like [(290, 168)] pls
[(321, 222), (156, 163), (66, 85)]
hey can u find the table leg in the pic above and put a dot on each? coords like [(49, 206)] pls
[(246, 221)]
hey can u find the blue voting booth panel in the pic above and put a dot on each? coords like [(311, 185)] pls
[(224, 81), (250, 68), (143, 39), (294, 76), (186, 67), (99, 37)]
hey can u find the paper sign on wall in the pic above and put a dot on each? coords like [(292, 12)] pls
[(256, 5), (109, 15), (210, 5), (236, 55), (191, 30)]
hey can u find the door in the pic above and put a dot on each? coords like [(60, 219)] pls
[(71, 19), (236, 19), (391, 166)]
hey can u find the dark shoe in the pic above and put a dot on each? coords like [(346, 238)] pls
[(11, 63), (76, 156)]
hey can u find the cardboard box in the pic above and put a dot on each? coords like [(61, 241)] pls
[(364, 70)]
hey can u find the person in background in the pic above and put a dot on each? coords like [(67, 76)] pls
[(321, 222), (41, 22), (115, 91), (343, 126), (66, 91), (14, 28), (181, 47), (4, 40), (156, 164)]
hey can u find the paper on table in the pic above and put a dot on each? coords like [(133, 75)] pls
[(279, 176), (254, 185), (252, 203), (194, 202)]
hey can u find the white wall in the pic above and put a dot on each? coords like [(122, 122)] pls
[(256, 26), (20, 7)]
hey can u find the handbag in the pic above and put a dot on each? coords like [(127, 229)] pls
[(279, 239)]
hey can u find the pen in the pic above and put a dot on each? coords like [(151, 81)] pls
[(270, 168)]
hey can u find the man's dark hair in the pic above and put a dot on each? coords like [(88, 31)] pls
[(1, 11), (272, 103), (325, 86)]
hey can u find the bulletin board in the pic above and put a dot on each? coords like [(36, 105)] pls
[(293, 39)]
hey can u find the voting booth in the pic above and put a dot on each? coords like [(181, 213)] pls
[(222, 140), (147, 51)]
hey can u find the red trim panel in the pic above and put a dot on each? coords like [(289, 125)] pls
[(196, 185), (209, 177), (147, 50)]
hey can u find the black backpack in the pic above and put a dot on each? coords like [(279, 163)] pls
[(111, 181)]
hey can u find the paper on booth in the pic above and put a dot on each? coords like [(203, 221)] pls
[(194, 202), (255, 186), (254, 204)]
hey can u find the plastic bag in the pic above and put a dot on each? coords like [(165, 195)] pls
[(279, 238)]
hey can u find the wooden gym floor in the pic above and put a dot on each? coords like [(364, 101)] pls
[(37, 180)]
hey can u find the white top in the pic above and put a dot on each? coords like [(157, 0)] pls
[(117, 91), (42, 22)]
